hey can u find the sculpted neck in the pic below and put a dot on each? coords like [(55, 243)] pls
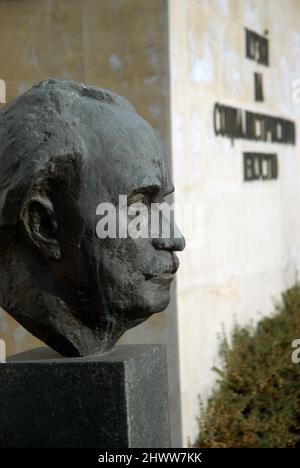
[(32, 300)]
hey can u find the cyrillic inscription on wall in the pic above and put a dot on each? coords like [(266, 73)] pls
[(235, 123)]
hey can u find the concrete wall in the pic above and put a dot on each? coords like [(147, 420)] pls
[(249, 247)]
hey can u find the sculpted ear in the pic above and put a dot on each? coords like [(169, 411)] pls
[(41, 226)]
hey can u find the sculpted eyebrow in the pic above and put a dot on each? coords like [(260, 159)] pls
[(148, 190)]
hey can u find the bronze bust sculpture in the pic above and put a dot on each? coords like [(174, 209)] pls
[(65, 148)]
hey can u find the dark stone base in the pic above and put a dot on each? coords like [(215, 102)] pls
[(119, 399)]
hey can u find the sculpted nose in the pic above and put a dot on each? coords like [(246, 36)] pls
[(168, 236), (175, 243)]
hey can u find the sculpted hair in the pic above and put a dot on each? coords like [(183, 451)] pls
[(29, 137)]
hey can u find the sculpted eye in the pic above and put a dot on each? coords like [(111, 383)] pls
[(138, 198), (145, 195)]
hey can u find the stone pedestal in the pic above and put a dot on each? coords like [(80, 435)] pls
[(119, 399)]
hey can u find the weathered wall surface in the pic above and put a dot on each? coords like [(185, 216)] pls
[(249, 247)]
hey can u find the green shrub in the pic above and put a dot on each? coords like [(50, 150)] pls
[(257, 399)]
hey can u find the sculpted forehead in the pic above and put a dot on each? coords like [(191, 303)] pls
[(127, 153)]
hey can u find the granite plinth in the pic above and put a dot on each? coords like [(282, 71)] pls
[(119, 399)]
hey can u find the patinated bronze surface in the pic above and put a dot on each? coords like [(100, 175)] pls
[(66, 148)]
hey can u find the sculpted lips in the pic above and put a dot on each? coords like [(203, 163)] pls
[(175, 262), (166, 271)]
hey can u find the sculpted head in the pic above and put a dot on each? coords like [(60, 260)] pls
[(65, 149)]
